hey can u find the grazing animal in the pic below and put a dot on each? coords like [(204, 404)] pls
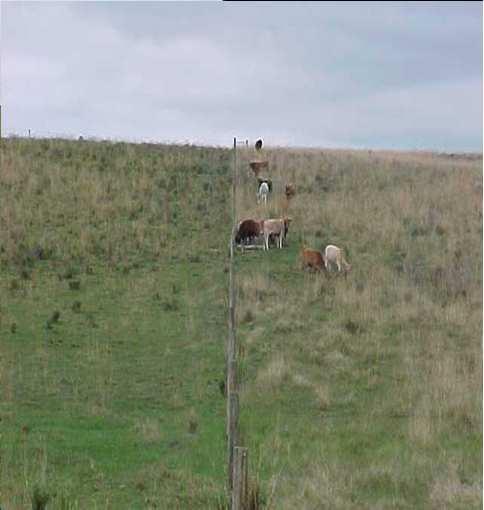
[(263, 192), (334, 255), (260, 223), (290, 190), (260, 180), (258, 145), (258, 166), (247, 231), (312, 259), (277, 228)]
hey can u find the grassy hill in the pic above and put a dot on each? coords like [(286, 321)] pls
[(363, 392)]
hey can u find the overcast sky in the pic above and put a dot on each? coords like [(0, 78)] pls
[(394, 75)]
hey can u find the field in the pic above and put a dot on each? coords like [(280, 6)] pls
[(357, 393)]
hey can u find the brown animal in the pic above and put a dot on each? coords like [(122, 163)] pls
[(258, 166), (248, 230), (277, 228), (260, 223), (312, 259), (290, 190)]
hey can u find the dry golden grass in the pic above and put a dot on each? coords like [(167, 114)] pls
[(448, 491), (273, 375), (406, 325)]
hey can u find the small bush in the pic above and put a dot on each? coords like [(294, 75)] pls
[(170, 305), (353, 327), (40, 497), (76, 306), (248, 316)]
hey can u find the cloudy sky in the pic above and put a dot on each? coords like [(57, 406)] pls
[(394, 75)]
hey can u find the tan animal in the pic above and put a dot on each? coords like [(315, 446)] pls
[(276, 228), (334, 255), (258, 166), (312, 259), (290, 190)]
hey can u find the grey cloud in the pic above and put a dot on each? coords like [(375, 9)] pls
[(399, 74)]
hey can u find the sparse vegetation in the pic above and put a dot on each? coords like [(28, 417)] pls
[(356, 393)]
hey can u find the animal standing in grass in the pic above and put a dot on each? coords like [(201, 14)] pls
[(312, 259), (334, 255), (277, 228), (263, 193), (258, 166), (248, 230), (290, 191)]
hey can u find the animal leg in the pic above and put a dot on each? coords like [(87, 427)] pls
[(338, 264)]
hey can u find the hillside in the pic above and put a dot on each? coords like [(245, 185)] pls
[(363, 392)]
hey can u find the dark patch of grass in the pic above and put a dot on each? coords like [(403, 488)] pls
[(53, 319), (170, 305), (248, 316), (76, 306), (74, 284), (40, 498), (354, 328)]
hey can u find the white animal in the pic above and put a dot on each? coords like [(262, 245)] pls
[(334, 255), (263, 193), (277, 228)]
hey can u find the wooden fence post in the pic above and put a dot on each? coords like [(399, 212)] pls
[(233, 433), (231, 351), (236, 455), (240, 489)]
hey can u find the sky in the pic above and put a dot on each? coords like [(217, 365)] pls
[(381, 75)]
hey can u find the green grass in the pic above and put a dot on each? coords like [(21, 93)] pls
[(363, 392), (115, 382)]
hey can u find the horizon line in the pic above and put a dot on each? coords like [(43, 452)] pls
[(74, 138)]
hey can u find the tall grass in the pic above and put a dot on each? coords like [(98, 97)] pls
[(363, 392), (396, 348)]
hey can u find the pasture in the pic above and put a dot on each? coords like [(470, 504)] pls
[(363, 392)]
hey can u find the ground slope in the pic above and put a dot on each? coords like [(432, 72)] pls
[(357, 393)]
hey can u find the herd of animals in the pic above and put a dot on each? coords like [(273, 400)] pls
[(272, 231)]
